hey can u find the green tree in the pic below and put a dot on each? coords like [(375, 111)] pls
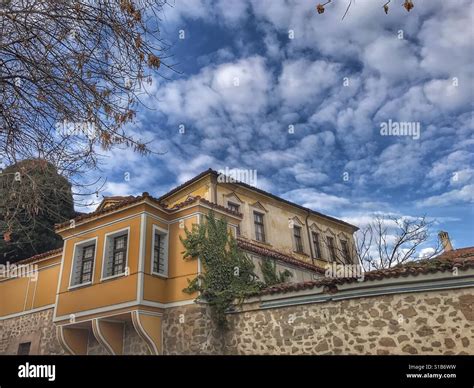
[(33, 197), (228, 274)]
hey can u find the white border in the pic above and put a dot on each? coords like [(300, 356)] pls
[(76, 246), (166, 249)]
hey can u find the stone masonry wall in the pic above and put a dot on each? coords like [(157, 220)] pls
[(37, 328), (413, 323)]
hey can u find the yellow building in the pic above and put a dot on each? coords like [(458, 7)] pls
[(121, 267)]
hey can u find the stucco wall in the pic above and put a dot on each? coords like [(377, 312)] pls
[(412, 323)]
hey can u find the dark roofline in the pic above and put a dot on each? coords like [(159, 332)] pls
[(39, 256), (260, 191), (140, 199), (421, 267), (188, 182)]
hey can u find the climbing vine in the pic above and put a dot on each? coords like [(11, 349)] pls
[(270, 275), (228, 274)]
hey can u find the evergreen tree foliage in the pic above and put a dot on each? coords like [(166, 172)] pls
[(33, 197)]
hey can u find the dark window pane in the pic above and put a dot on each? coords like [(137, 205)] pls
[(119, 255), (86, 264), (332, 248), (259, 227), (345, 251), (235, 208), (24, 349), (317, 246), (158, 254), (298, 239)]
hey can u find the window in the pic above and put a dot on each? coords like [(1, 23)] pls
[(160, 255), (316, 245), (235, 208), (345, 252), (119, 255), (24, 349), (87, 263), (298, 239), (83, 263), (116, 252), (259, 227), (332, 248)]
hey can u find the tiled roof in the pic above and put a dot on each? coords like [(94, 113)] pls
[(132, 200), (266, 193), (110, 209), (277, 255), (188, 182), (457, 255), (462, 259), (128, 200), (40, 256)]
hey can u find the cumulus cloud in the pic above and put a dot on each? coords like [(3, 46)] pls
[(463, 195), (333, 84)]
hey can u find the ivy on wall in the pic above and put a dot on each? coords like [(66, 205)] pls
[(228, 274), (270, 275)]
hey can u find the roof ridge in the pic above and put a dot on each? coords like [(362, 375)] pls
[(263, 192)]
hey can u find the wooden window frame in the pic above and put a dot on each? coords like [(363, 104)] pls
[(345, 251), (299, 247), (332, 249), (315, 236), (261, 224), (232, 205)]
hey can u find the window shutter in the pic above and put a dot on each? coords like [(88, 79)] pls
[(109, 247), (76, 267)]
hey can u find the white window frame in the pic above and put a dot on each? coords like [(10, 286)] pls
[(111, 235), (165, 232), (79, 245)]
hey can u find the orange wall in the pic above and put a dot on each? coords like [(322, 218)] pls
[(20, 294), (165, 290), (107, 292), (25, 293)]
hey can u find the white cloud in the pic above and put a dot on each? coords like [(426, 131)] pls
[(316, 200), (463, 195), (303, 82)]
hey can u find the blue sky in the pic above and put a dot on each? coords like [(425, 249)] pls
[(248, 70)]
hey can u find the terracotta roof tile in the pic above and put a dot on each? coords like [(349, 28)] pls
[(460, 258), (275, 254), (40, 256), (266, 193), (132, 200)]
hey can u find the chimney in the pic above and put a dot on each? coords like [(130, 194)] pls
[(444, 238)]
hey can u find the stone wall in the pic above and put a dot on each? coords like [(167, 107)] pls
[(414, 323), (37, 328), (133, 343), (435, 322)]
